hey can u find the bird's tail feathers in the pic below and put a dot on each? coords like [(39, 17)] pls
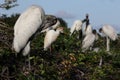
[(26, 49), (15, 46)]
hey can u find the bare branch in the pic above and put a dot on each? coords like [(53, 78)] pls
[(8, 4)]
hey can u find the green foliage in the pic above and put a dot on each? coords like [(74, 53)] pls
[(65, 62), (9, 20)]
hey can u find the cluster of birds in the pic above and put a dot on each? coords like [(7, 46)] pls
[(90, 35), (34, 20), (29, 23)]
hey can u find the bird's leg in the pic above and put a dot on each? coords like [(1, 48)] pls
[(80, 35), (108, 44), (29, 64), (27, 67), (91, 47), (100, 63)]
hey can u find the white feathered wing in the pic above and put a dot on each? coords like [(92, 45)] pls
[(26, 26), (88, 30), (50, 37), (88, 41), (110, 32), (77, 25)]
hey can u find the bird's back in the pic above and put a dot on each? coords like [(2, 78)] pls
[(88, 30), (77, 25), (50, 37), (88, 40), (26, 25), (110, 32), (28, 19)]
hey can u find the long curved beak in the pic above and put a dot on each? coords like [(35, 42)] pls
[(48, 21)]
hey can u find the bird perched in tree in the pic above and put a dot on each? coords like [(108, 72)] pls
[(110, 33), (87, 30), (89, 40), (27, 25), (51, 37), (86, 20), (77, 26)]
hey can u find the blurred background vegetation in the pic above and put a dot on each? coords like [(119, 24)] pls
[(66, 62)]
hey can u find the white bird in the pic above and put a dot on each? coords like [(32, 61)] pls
[(51, 37), (89, 40), (110, 33), (77, 26), (87, 30), (28, 24)]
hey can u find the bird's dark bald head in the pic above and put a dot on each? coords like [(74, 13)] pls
[(94, 31), (49, 20), (87, 15), (50, 17), (100, 30)]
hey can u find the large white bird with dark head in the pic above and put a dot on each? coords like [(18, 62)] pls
[(78, 25), (110, 33), (51, 36), (87, 27), (89, 40), (28, 24)]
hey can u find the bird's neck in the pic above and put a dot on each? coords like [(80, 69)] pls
[(55, 25)]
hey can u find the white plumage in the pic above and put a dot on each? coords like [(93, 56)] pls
[(88, 40), (28, 24), (77, 25), (51, 36), (110, 33), (87, 30)]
